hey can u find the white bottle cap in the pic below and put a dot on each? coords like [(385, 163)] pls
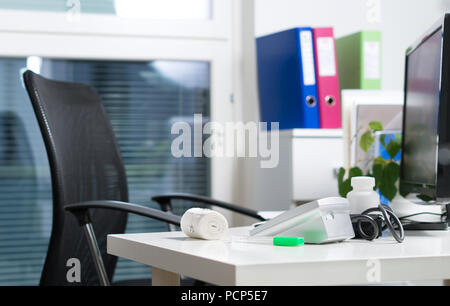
[(363, 183)]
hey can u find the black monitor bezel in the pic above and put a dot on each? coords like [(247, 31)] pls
[(439, 191)]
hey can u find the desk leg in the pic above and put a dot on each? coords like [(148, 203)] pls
[(164, 278)]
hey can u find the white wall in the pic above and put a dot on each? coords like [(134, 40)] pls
[(401, 23), (246, 106)]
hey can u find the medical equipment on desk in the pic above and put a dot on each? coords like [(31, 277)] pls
[(321, 221)]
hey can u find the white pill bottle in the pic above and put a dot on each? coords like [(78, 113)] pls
[(363, 197)]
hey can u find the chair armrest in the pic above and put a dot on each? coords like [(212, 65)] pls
[(80, 210), (165, 203)]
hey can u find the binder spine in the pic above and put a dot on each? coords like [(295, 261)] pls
[(308, 82), (359, 59), (370, 60), (327, 78), (287, 80)]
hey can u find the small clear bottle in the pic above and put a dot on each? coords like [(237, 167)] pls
[(363, 197)]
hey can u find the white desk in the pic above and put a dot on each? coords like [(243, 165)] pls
[(422, 256)]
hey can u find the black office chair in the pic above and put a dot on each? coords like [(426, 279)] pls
[(88, 181)]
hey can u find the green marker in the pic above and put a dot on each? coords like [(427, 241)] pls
[(288, 241)]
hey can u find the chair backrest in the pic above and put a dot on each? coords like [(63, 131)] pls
[(85, 165)]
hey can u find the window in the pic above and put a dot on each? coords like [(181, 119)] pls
[(142, 99), (164, 9), (178, 19), (184, 60), (142, 9), (86, 6)]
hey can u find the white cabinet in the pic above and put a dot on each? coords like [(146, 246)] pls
[(309, 160), (316, 157)]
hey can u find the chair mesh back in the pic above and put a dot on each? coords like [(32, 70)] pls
[(85, 165)]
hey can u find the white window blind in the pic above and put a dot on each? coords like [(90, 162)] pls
[(142, 100)]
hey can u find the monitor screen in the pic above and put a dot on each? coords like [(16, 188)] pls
[(421, 112)]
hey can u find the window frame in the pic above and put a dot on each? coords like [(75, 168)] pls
[(113, 38), (218, 27)]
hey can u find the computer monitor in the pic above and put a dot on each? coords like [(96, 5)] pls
[(425, 162)]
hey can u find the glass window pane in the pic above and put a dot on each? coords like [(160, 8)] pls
[(142, 100), (25, 187), (141, 9), (83, 6), (164, 9)]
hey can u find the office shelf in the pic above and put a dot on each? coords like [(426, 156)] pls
[(313, 133)]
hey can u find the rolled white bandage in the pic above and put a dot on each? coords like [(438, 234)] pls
[(204, 224)]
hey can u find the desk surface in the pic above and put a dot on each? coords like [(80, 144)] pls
[(422, 256)]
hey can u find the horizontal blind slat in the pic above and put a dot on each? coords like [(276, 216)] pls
[(142, 103)]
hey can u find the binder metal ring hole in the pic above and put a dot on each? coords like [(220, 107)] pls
[(310, 101), (330, 100)]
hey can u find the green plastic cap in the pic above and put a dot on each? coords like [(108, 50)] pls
[(288, 241)]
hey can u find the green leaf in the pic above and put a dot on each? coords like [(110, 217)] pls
[(366, 141), (424, 197), (341, 174), (355, 171), (383, 140), (388, 190), (377, 171), (344, 187), (376, 126), (391, 172), (398, 138), (403, 193), (386, 178), (380, 160), (393, 148)]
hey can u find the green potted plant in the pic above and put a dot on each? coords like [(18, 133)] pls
[(385, 171)]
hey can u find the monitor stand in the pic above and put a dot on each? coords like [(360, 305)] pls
[(422, 226), (405, 207)]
